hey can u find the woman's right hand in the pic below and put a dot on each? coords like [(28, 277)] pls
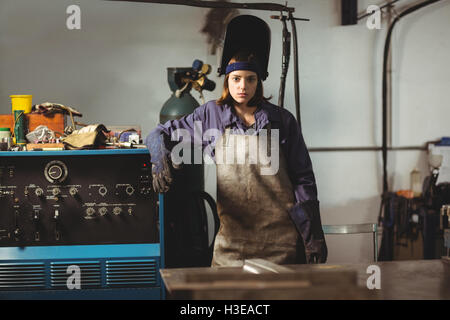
[(161, 175)]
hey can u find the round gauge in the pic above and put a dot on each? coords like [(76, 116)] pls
[(102, 191), (129, 190), (55, 171)]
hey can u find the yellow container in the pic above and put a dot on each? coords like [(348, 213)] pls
[(21, 102)]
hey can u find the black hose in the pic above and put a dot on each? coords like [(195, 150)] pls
[(387, 241), (296, 80), (285, 61), (385, 59)]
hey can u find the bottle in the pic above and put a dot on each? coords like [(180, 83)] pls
[(5, 139), (416, 183), (19, 127)]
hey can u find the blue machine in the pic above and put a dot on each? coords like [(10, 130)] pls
[(80, 224)]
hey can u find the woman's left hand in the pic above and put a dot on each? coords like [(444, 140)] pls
[(306, 217)]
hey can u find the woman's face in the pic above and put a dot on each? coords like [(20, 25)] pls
[(242, 85)]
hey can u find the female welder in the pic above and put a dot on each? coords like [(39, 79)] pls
[(269, 216)]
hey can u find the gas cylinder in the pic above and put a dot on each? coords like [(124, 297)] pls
[(187, 237)]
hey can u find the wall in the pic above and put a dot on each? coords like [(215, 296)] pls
[(113, 70)]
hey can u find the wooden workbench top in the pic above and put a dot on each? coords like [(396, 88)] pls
[(415, 279)]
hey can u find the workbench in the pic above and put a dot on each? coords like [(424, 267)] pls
[(414, 279)]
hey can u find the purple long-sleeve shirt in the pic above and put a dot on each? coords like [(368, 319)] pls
[(212, 116)]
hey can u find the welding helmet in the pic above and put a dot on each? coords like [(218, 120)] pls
[(247, 33)]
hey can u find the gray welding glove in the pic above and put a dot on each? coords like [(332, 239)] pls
[(159, 157), (306, 217)]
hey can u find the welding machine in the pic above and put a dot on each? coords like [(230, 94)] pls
[(80, 224)]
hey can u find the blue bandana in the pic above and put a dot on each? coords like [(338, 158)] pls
[(243, 66)]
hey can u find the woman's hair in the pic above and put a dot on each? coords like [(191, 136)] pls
[(226, 97)]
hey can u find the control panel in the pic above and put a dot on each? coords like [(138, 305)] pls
[(77, 197)]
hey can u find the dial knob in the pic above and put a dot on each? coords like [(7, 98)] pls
[(55, 171), (90, 211), (102, 211), (117, 211), (39, 192), (73, 191), (56, 191)]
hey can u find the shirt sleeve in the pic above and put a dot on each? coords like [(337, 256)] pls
[(299, 163), (188, 127)]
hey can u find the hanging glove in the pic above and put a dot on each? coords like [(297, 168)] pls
[(306, 217), (50, 108), (159, 157)]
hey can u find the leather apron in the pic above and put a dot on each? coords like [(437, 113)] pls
[(253, 208)]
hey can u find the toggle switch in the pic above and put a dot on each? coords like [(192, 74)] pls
[(36, 218), (17, 232), (56, 219)]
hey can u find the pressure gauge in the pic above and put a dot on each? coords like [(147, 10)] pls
[(55, 171)]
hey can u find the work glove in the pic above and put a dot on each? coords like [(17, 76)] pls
[(306, 217), (88, 137), (159, 157)]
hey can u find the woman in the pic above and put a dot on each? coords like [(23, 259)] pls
[(262, 215)]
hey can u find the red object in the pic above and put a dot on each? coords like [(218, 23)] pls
[(55, 122), (408, 194)]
